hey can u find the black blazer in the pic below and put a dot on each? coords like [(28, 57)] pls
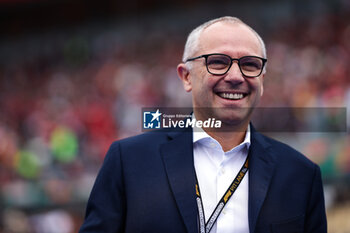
[(147, 184)]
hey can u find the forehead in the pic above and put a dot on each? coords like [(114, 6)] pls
[(234, 39)]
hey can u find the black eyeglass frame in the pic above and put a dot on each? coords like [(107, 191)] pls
[(264, 60)]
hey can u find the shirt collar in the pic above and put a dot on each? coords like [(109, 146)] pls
[(200, 135)]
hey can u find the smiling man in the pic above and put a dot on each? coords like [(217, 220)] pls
[(225, 75), (228, 180)]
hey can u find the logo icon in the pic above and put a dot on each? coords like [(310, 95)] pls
[(151, 120)]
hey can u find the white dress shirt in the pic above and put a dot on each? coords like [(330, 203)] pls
[(215, 171)]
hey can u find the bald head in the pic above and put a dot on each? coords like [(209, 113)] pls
[(193, 43)]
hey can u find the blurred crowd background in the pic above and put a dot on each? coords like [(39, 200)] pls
[(74, 76)]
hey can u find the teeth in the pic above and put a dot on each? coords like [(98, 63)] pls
[(231, 96)]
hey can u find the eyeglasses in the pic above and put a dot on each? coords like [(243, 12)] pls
[(219, 64)]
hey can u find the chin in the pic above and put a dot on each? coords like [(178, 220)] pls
[(233, 118)]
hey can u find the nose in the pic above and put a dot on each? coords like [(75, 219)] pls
[(234, 75)]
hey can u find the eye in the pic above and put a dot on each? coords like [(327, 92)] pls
[(250, 63), (218, 62)]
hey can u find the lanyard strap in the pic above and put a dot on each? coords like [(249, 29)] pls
[(206, 227)]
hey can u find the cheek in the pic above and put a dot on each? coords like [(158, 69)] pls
[(202, 82), (202, 90), (257, 85)]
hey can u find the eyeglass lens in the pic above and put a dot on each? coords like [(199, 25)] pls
[(249, 66)]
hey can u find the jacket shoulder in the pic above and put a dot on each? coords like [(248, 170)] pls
[(285, 153), (145, 142), (148, 138)]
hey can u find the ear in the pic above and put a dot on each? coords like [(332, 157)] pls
[(262, 84), (184, 75)]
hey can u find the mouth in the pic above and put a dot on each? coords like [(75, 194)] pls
[(232, 96)]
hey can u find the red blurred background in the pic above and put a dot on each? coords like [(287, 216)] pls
[(74, 76)]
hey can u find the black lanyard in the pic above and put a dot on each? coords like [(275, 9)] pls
[(206, 227)]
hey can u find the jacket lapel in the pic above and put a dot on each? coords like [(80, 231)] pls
[(261, 169), (177, 156)]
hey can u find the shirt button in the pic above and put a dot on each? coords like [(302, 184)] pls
[(224, 212), (212, 144), (223, 170)]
